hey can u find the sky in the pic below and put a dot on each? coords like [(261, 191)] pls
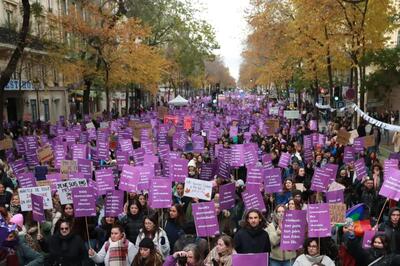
[(228, 19)]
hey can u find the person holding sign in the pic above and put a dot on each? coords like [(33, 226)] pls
[(151, 229), (311, 255), (116, 251), (252, 238), (278, 257), (64, 247)]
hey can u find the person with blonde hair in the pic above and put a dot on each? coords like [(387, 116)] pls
[(222, 253)]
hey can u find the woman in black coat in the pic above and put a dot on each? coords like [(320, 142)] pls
[(252, 238), (133, 221), (174, 224), (64, 248)]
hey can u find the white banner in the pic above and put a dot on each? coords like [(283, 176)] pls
[(375, 122)]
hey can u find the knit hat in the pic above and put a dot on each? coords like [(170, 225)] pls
[(146, 243), (17, 219), (192, 163)]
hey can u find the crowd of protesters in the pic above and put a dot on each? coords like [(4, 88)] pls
[(141, 235)]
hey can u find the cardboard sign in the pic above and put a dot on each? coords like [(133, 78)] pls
[(68, 167), (337, 212), (273, 125), (369, 141), (45, 153), (343, 137), (6, 144), (196, 188)]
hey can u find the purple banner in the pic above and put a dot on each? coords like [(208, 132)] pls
[(205, 219), (319, 224), (146, 173), (86, 168), (293, 230), (37, 208), (358, 144), (179, 169), (138, 155), (104, 180), (79, 151), (129, 179), (320, 180), (284, 160), (27, 180), (253, 199), (272, 180), (114, 203), (84, 202), (348, 156), (160, 193), (335, 196), (360, 168), (332, 169), (19, 167), (391, 185), (250, 259), (227, 196), (255, 175)]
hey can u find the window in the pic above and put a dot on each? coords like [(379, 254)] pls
[(34, 110), (9, 18), (46, 110)]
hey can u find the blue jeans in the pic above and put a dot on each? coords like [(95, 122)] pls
[(273, 262)]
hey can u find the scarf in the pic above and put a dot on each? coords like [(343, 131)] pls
[(118, 252)]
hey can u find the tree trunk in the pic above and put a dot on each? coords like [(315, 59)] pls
[(86, 96), (13, 62), (126, 101), (107, 94), (329, 67)]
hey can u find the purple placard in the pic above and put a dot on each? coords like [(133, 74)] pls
[(27, 180), (320, 180), (129, 179), (307, 140), (79, 151), (198, 144), (388, 165), (227, 196), (313, 125), (207, 171), (237, 155), (284, 160), (250, 259), (114, 203), (272, 180), (332, 169), (146, 173), (178, 170), (367, 238), (138, 156), (19, 167), (205, 219), (250, 156), (104, 180), (348, 156), (394, 155), (233, 131), (126, 146), (335, 196), (37, 208), (267, 161), (252, 198), (391, 185), (160, 193), (224, 169), (103, 150), (255, 175), (85, 167), (293, 230), (84, 202), (360, 168), (319, 224), (358, 144)]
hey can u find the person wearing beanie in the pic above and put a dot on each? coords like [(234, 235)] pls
[(147, 255)]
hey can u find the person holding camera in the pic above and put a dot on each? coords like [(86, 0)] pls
[(189, 256)]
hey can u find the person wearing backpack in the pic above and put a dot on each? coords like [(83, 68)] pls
[(116, 251)]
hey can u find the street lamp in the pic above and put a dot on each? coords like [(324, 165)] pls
[(36, 86)]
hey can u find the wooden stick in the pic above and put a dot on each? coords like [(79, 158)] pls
[(209, 245), (87, 231), (38, 224), (380, 215)]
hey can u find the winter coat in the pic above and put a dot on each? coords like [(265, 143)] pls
[(307, 260), (250, 240), (132, 225), (103, 255), (187, 239), (275, 239), (173, 230), (64, 250), (221, 259), (160, 241), (392, 233)]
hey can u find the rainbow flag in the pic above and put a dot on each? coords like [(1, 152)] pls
[(356, 212)]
